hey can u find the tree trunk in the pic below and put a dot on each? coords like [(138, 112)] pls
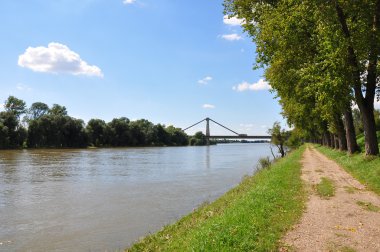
[(330, 141), (365, 104), (352, 145), (370, 137), (324, 140), (341, 135)]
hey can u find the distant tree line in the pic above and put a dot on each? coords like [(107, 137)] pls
[(41, 126), (320, 58)]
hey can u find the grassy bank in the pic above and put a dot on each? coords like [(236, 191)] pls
[(361, 141), (365, 169), (251, 217)]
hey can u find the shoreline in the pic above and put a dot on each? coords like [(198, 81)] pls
[(270, 200)]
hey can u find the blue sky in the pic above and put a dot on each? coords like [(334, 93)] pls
[(171, 62)]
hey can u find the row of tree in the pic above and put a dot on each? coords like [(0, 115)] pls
[(42, 127), (320, 58)]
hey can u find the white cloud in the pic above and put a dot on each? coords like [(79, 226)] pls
[(22, 87), (208, 106), (260, 85), (233, 21), (232, 37), (247, 125), (205, 80), (126, 2), (56, 58)]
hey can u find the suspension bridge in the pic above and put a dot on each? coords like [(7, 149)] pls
[(234, 136)]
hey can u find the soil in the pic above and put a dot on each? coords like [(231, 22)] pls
[(347, 221)]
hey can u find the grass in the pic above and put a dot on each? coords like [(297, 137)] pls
[(251, 217), (325, 188), (334, 247), (364, 169), (350, 189), (368, 206), (360, 140)]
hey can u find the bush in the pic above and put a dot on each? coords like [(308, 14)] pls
[(264, 163)]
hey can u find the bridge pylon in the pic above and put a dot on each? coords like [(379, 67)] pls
[(208, 131), (235, 136)]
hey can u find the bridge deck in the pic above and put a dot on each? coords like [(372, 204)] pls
[(240, 137)]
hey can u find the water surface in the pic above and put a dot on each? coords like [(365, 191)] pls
[(105, 199)]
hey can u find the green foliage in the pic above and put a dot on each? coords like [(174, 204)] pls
[(264, 163), (358, 122), (12, 133), (295, 138), (361, 141), (325, 188), (199, 139), (368, 206), (367, 171), (54, 128), (58, 110), (37, 110), (315, 55), (279, 137), (15, 106), (251, 217)]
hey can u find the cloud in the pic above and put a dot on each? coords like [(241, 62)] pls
[(232, 37), (233, 21), (260, 85), (56, 58), (205, 80), (126, 2), (208, 106), (22, 87), (247, 125)]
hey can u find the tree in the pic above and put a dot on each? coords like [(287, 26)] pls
[(58, 110), (97, 132), (15, 105), (177, 136), (198, 139), (279, 137), (306, 63), (120, 132), (37, 110), (12, 133)]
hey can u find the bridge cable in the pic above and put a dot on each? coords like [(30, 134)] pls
[(193, 125), (224, 127)]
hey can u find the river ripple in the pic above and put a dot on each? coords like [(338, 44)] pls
[(104, 199)]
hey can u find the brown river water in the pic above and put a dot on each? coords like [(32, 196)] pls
[(105, 199)]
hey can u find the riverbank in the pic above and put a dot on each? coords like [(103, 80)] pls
[(252, 216), (365, 169)]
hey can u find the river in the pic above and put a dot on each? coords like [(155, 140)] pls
[(105, 199)]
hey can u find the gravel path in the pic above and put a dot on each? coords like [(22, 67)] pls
[(340, 223)]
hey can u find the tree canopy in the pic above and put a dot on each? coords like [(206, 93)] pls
[(53, 128), (319, 57)]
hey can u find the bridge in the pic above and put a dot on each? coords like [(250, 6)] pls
[(235, 136)]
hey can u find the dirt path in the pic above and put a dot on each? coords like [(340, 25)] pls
[(337, 223)]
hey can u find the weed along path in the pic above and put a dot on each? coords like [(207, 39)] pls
[(340, 215)]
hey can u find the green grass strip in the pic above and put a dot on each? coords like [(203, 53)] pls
[(364, 169), (325, 188), (368, 206), (251, 217)]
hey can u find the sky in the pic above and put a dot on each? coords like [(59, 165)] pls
[(170, 62)]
